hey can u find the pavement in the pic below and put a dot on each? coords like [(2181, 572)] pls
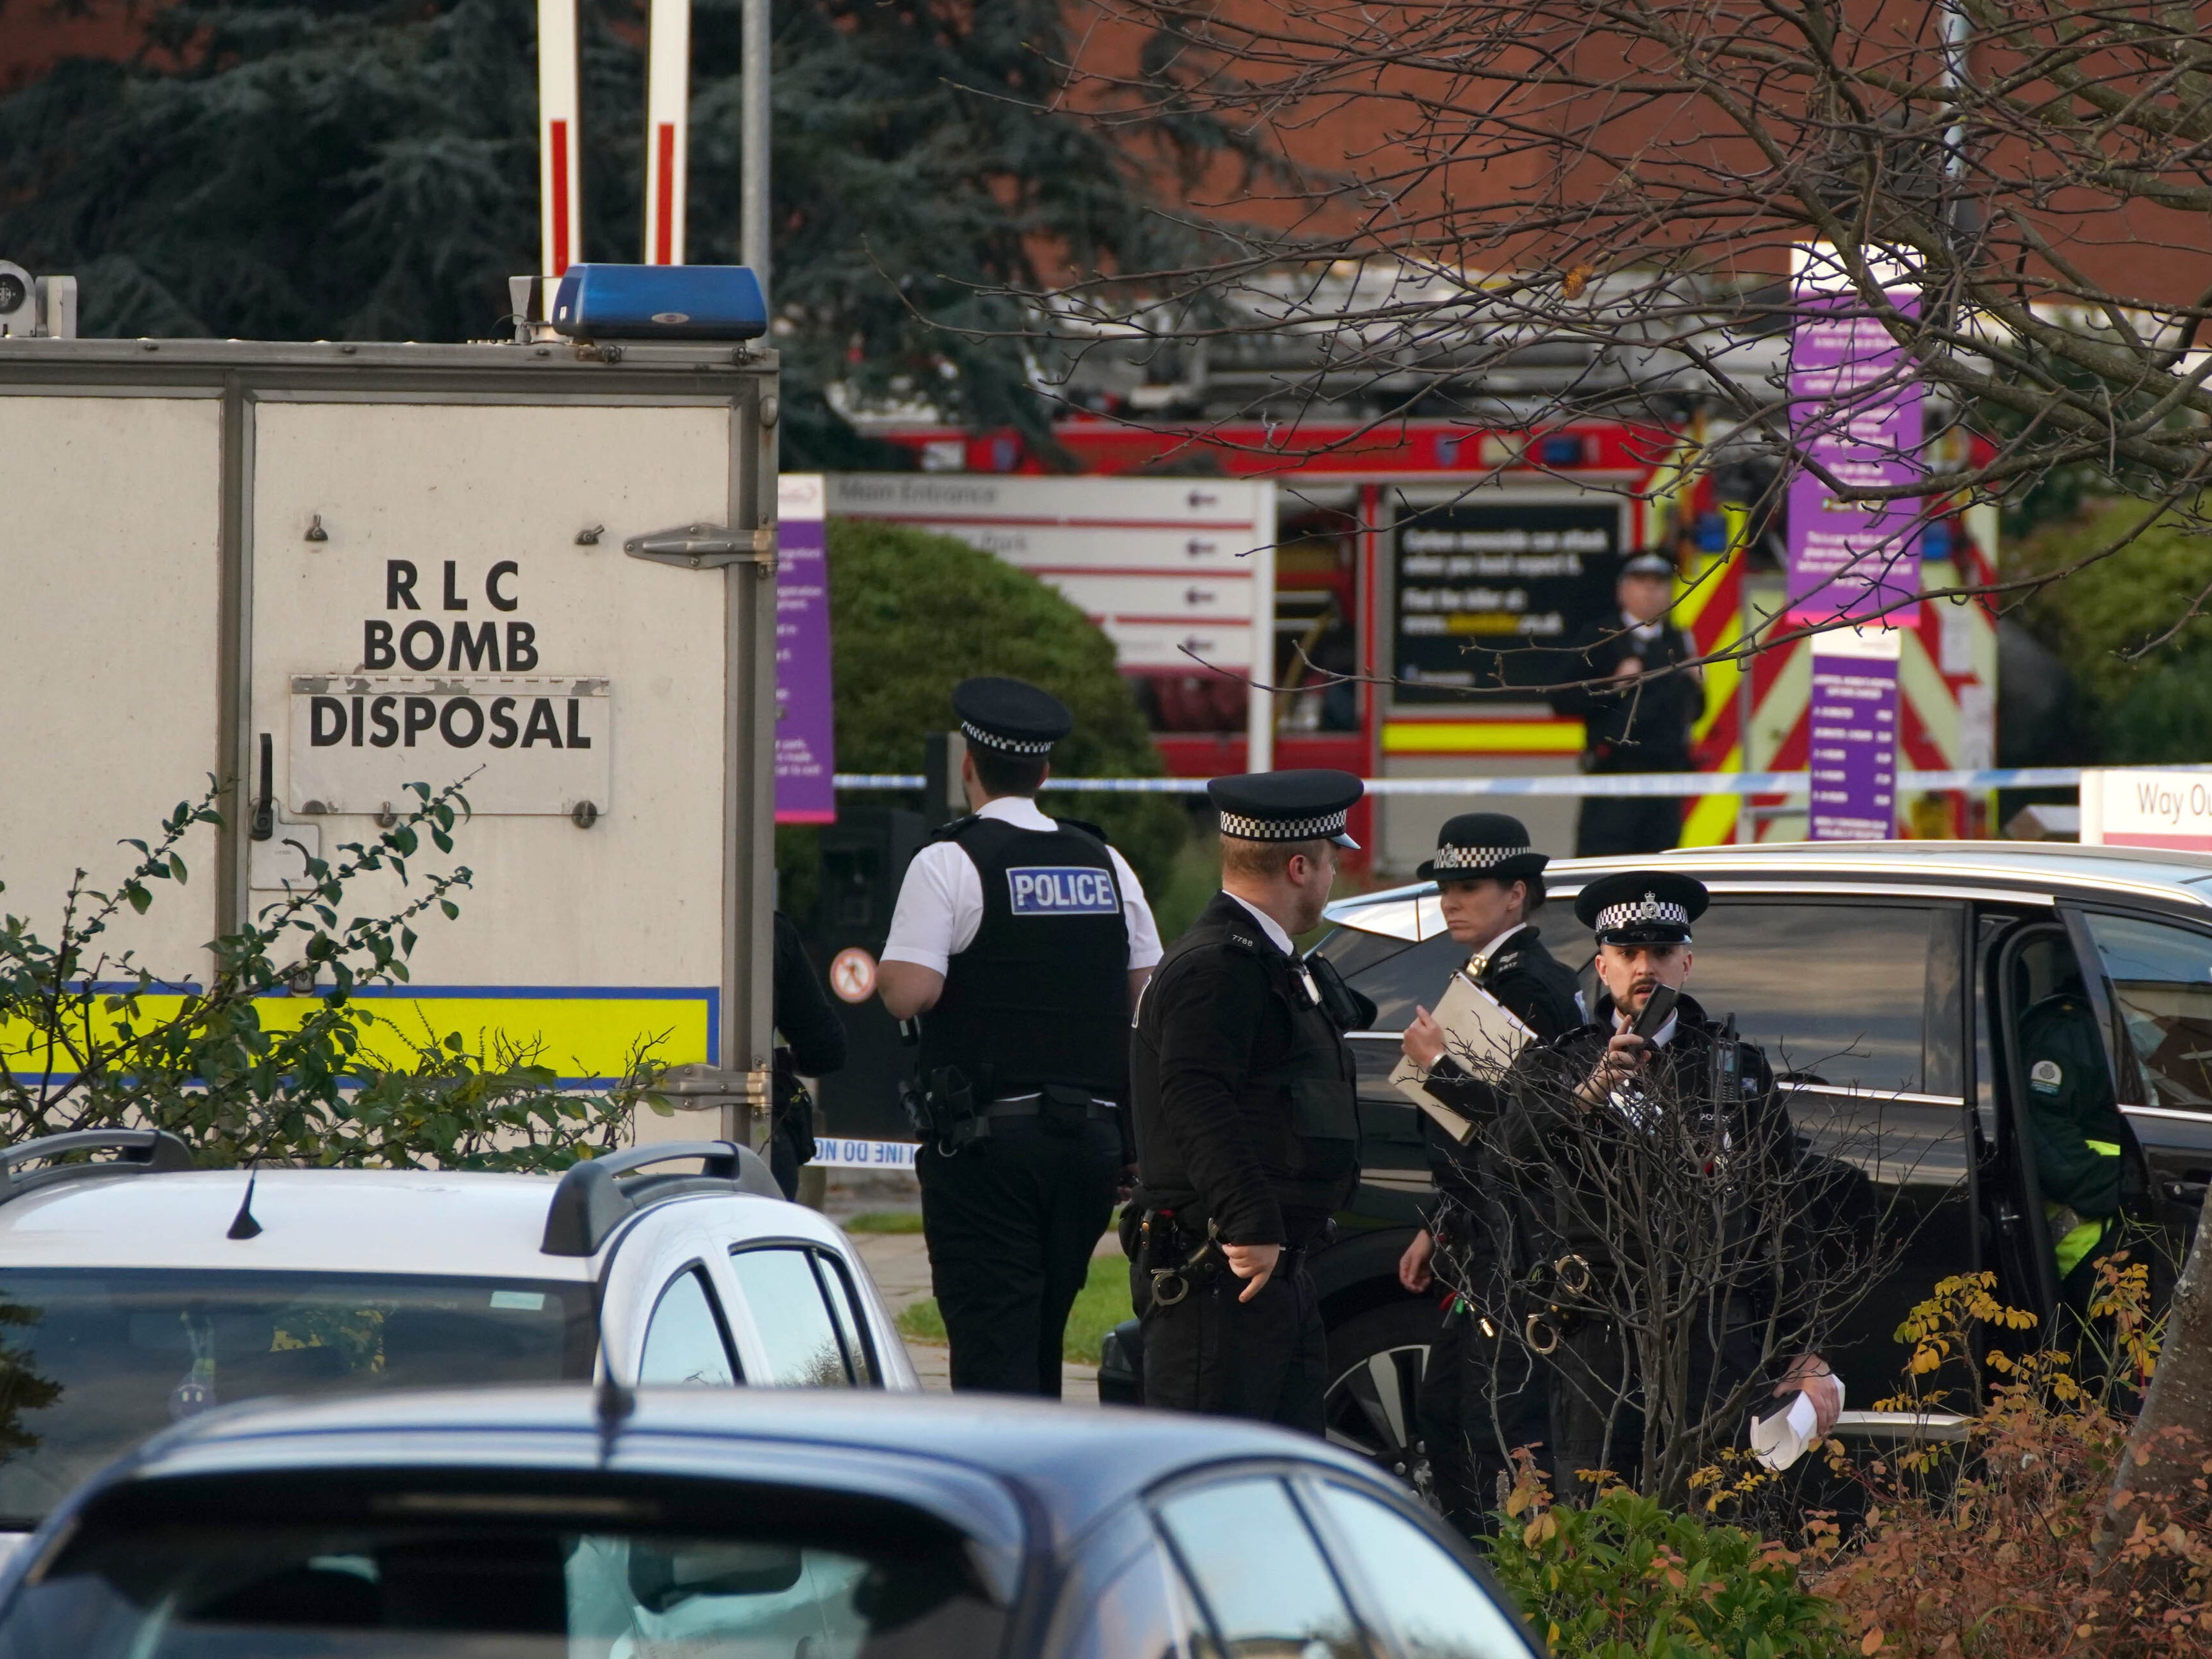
[(899, 1264)]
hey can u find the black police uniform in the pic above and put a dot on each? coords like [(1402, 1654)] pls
[(1022, 1068), (1243, 1095), (1642, 725), (1455, 1406), (1579, 1398), (813, 1046)]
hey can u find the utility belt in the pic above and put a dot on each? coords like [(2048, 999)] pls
[(953, 1112), (1550, 1301), (1179, 1250)]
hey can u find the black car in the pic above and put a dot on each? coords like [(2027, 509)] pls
[(1886, 982), (571, 1523)]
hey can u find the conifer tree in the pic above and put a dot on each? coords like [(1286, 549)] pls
[(367, 169)]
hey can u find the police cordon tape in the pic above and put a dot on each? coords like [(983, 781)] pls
[(1796, 784), (832, 1153)]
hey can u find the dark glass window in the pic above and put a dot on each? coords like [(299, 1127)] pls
[(1404, 978), (1266, 1585), (505, 1583), (2161, 982), (852, 1320), (1143, 1611), (1839, 992), (795, 1325), (1435, 1607), (684, 1345), (92, 1360)]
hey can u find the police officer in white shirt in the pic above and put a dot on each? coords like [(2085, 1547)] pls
[(1021, 943)]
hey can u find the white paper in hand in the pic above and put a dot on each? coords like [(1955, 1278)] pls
[(1780, 1440), (1480, 1033)]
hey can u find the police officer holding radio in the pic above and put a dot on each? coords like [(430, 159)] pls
[(1242, 1090), (1021, 943), (1488, 882), (1617, 1077)]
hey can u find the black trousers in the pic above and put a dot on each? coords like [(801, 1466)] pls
[(1627, 823), (1480, 1399), (1266, 1358), (1011, 1222)]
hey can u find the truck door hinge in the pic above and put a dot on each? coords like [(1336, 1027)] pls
[(706, 546)]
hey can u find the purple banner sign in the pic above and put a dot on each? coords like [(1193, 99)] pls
[(1856, 411), (806, 753), (1852, 759)]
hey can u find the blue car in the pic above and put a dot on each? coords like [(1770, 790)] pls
[(583, 1524)]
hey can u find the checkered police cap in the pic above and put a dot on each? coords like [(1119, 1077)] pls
[(1004, 744), (1279, 806), (1012, 717), (1474, 858), (1642, 906), (1641, 912), (1326, 827)]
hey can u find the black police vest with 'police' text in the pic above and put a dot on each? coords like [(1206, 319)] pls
[(1042, 994)]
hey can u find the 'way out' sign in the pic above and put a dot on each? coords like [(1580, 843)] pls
[(2140, 807)]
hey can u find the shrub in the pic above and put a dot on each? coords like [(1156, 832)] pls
[(1990, 1549), (2143, 710), (1628, 1577), (913, 614), (272, 1059)]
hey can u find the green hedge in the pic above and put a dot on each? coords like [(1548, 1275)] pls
[(1627, 1578), (910, 615)]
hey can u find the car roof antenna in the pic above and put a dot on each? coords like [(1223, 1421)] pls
[(243, 1226)]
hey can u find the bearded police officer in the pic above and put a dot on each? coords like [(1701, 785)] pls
[(1022, 943), (1488, 882), (1243, 1094), (1607, 1083)]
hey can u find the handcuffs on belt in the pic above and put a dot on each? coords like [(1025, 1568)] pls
[(1572, 1274), (1180, 1273)]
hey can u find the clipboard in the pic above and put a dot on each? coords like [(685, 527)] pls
[(1480, 1033)]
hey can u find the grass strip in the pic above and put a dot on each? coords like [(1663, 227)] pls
[(1103, 1303)]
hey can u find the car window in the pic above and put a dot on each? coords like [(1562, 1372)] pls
[(852, 1322), (684, 1344), (1433, 1605), (1839, 992), (1143, 1611), (1403, 978), (1260, 1576), (510, 1584), (96, 1359), (797, 1332), (2161, 983)]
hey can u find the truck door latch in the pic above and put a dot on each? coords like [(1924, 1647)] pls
[(705, 546), (264, 800)]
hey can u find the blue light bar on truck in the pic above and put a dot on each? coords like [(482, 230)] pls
[(660, 303)]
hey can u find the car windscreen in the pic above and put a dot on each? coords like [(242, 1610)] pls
[(500, 1584), (93, 1361)]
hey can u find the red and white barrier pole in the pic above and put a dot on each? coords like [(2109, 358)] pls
[(560, 175), (667, 118)]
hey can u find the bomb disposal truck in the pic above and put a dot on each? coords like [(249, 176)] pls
[(322, 571)]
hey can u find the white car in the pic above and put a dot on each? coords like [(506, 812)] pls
[(136, 1291)]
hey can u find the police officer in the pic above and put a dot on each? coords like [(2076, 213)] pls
[(1637, 719), (1642, 922), (2078, 1134), (1247, 1136), (1488, 882), (1021, 942)]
